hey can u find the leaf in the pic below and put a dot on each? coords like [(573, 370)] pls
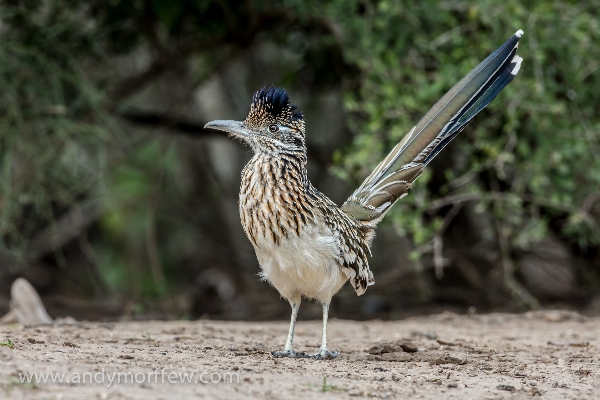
[(167, 10)]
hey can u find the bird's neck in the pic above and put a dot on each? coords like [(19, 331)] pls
[(274, 197), (278, 170)]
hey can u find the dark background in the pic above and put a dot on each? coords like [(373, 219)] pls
[(115, 203)]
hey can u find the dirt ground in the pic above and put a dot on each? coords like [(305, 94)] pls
[(552, 354)]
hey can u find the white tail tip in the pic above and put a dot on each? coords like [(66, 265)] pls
[(519, 33), (516, 60)]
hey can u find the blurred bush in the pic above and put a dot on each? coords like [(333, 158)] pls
[(528, 159), (102, 192)]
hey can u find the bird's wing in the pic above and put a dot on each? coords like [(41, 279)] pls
[(352, 241), (433, 132)]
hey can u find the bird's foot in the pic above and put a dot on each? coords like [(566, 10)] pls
[(323, 354), (288, 353)]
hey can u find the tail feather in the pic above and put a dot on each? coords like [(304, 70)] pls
[(446, 119)]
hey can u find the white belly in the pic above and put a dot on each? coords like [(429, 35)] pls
[(307, 266)]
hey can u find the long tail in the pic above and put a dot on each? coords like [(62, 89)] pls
[(446, 119)]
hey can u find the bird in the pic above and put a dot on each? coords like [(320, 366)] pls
[(306, 245)]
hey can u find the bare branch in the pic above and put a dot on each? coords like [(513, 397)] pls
[(65, 229), (515, 288), (500, 196), (590, 200), (166, 61), (196, 129)]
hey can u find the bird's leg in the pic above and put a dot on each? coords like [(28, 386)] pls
[(288, 350), (324, 353)]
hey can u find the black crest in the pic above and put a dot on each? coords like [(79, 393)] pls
[(275, 101)]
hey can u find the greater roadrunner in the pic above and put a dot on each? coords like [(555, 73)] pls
[(308, 246)]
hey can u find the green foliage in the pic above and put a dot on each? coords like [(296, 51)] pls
[(134, 195), (537, 144), (53, 127), (63, 140)]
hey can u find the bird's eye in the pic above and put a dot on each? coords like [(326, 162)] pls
[(273, 128)]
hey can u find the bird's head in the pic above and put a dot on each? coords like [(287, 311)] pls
[(273, 125)]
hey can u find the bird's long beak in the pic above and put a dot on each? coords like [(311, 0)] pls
[(235, 128)]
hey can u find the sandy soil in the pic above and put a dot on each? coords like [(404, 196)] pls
[(553, 354)]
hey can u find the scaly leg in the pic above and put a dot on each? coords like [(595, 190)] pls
[(324, 353), (288, 350)]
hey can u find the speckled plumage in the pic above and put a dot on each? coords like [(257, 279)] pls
[(306, 245), (278, 204)]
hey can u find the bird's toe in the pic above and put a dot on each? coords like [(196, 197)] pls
[(324, 354), (288, 353)]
